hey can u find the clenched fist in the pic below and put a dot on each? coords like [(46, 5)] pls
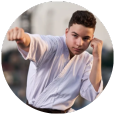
[(21, 38), (97, 44), (16, 34)]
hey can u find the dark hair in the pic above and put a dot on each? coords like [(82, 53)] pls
[(84, 18)]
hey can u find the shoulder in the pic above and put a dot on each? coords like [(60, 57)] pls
[(52, 38), (87, 57), (86, 54), (46, 37)]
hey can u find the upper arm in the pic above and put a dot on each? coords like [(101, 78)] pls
[(41, 47)]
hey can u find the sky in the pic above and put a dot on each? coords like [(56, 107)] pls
[(52, 18)]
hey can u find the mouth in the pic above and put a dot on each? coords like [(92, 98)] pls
[(76, 49)]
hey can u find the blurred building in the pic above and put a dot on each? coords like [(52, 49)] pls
[(52, 18)]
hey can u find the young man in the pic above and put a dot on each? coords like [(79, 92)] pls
[(60, 68)]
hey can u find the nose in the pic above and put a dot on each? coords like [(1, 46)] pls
[(79, 41)]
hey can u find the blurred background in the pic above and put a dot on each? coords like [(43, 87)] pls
[(49, 18)]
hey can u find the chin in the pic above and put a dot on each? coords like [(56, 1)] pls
[(77, 53)]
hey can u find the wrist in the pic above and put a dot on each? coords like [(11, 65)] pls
[(27, 40), (97, 56), (97, 59)]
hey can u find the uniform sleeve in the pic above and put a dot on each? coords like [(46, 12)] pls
[(40, 47), (87, 90)]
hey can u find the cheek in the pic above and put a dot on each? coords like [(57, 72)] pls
[(86, 45), (70, 40)]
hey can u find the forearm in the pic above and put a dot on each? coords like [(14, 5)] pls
[(95, 75), (26, 43)]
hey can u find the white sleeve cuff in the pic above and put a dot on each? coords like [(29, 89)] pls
[(23, 53), (88, 92)]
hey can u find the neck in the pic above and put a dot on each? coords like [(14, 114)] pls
[(71, 55)]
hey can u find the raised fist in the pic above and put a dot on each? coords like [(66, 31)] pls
[(16, 34)]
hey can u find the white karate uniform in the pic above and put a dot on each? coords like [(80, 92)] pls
[(54, 81)]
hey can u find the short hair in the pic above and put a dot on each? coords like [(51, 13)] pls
[(84, 18)]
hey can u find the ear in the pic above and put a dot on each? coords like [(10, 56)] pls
[(66, 31), (93, 37)]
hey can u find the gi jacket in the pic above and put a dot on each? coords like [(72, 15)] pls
[(54, 81)]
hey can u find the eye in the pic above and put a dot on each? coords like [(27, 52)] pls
[(75, 35), (86, 38)]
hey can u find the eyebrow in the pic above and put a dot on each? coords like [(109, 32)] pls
[(75, 33), (86, 37)]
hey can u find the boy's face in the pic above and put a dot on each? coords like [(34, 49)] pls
[(78, 38)]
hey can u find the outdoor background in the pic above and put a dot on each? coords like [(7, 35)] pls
[(48, 18)]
